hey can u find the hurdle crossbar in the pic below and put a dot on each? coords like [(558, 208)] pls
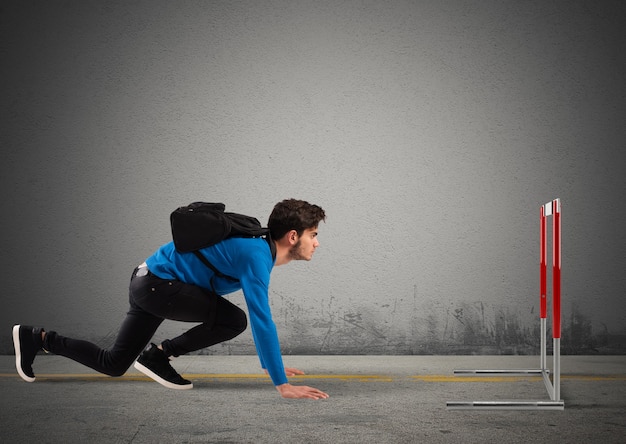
[(553, 386)]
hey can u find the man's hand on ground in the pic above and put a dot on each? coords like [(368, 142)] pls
[(300, 392)]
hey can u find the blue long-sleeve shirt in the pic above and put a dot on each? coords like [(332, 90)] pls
[(250, 261)]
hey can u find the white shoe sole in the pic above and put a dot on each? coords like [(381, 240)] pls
[(18, 355), (146, 371)]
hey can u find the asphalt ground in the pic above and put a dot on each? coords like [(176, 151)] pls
[(373, 399)]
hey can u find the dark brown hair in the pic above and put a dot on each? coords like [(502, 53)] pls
[(293, 214)]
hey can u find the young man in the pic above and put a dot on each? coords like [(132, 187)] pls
[(178, 286)]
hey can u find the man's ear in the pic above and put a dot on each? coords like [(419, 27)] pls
[(292, 236)]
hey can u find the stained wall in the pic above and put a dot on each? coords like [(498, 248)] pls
[(431, 132)]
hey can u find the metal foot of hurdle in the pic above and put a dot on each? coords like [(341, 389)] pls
[(553, 386)]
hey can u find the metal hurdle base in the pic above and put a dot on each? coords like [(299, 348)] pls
[(506, 405), (553, 404), (553, 387)]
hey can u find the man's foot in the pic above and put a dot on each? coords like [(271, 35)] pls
[(27, 341), (153, 363)]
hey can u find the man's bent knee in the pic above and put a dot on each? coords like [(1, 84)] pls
[(242, 323)]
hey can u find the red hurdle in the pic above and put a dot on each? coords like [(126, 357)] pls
[(552, 208)]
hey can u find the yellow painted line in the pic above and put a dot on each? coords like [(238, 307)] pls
[(340, 377), (360, 378), (363, 378)]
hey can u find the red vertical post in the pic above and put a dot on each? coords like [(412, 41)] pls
[(556, 268), (543, 259)]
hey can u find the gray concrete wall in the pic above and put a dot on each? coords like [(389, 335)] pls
[(430, 131)]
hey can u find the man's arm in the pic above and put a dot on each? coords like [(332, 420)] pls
[(255, 288)]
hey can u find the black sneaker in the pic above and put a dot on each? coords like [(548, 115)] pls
[(27, 342), (153, 363)]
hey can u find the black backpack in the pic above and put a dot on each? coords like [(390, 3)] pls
[(202, 224)]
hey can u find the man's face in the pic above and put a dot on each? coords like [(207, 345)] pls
[(304, 248)]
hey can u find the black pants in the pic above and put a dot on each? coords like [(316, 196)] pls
[(152, 300)]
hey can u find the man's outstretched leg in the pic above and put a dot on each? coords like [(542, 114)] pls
[(135, 332)]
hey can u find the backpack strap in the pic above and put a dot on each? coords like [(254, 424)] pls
[(216, 272), (272, 245)]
